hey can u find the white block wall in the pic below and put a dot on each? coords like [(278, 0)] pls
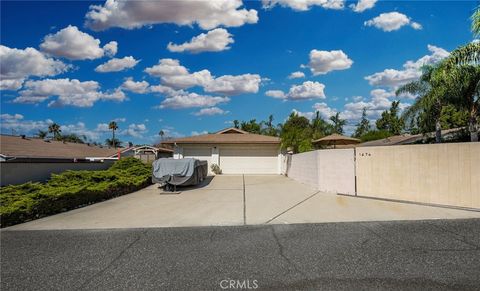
[(303, 168), (325, 170)]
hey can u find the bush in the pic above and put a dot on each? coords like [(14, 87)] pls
[(71, 189), (216, 169)]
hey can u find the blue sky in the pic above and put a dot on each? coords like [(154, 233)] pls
[(238, 69)]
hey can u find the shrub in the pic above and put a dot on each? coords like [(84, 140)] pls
[(216, 169), (71, 189)]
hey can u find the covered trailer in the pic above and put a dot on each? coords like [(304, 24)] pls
[(170, 172)]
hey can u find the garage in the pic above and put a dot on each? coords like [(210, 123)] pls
[(234, 150), (203, 153), (249, 159)]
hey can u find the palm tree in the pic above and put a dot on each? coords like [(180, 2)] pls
[(113, 126), (161, 133), (42, 134), (55, 129), (470, 53), (338, 123), (113, 142), (464, 86), (431, 96)]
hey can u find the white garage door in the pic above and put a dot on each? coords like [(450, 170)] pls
[(201, 153), (258, 159)]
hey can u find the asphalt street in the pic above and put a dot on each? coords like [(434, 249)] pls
[(434, 254)]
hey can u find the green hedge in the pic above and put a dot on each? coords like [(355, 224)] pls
[(71, 189)]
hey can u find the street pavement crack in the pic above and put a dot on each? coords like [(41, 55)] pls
[(99, 273), (281, 251)]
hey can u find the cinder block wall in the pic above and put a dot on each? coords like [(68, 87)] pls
[(303, 168), (447, 174), (336, 171)]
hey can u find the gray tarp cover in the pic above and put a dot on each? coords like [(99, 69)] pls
[(181, 172)]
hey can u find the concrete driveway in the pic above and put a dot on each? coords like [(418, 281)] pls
[(236, 200)]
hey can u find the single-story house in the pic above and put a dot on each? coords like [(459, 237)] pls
[(234, 150), (403, 139), (25, 159), (148, 153)]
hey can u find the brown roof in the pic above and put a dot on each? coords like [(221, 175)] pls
[(337, 139), (16, 146), (227, 136), (407, 138)]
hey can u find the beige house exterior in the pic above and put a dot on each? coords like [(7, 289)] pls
[(234, 150)]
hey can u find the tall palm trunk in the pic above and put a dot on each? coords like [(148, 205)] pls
[(113, 139), (438, 125), (472, 125)]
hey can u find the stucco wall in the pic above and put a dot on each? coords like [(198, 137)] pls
[(336, 171), (447, 174), (18, 173), (325, 170), (303, 168)]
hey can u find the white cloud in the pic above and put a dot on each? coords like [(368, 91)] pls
[(134, 130), (189, 100), (234, 85), (18, 64), (296, 75), (176, 76), (73, 44), (199, 132), (130, 14), (136, 87), (17, 123), (392, 21), (69, 92), (103, 127), (322, 62), (304, 5), (111, 48), (213, 41), (411, 70), (363, 5), (117, 65), (307, 90), (279, 94), (210, 111)]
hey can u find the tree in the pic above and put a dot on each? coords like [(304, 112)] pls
[(268, 128), (390, 121), (161, 133), (113, 142), (431, 96), (296, 133), (55, 129), (250, 126), (363, 126), (320, 127), (72, 137), (113, 126), (236, 124), (338, 123), (463, 85), (42, 134)]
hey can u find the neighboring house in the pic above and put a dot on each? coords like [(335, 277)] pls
[(148, 153), (234, 150), (25, 159), (447, 134)]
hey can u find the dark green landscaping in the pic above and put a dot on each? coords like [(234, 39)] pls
[(71, 189)]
